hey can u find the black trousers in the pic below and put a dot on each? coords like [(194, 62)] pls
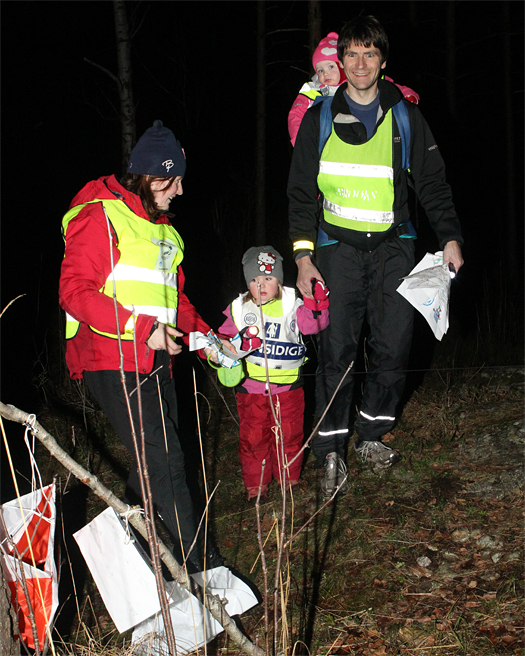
[(164, 455), (363, 288)]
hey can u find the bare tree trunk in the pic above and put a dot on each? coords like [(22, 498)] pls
[(260, 148), (511, 231), (451, 57), (314, 24), (8, 624), (125, 89)]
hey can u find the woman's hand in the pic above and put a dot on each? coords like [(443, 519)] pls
[(161, 339)]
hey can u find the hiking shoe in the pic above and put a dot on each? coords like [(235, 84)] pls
[(334, 474), (377, 454)]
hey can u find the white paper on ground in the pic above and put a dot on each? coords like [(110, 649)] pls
[(188, 615), (220, 581), (127, 586), (119, 568), (193, 626), (427, 288)]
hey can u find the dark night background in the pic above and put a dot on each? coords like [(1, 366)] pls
[(194, 68)]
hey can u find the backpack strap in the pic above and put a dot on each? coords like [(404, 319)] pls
[(325, 127), (403, 124)]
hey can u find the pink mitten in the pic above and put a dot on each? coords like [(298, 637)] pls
[(250, 341), (320, 297), (320, 292), (407, 92)]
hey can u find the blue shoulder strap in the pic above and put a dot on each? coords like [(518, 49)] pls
[(401, 116), (403, 124), (325, 128)]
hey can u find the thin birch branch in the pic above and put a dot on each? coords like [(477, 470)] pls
[(102, 68), (10, 303), (263, 560)]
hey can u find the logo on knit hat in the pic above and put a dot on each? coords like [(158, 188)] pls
[(329, 51), (168, 164), (266, 262)]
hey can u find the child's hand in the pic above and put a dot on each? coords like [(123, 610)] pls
[(249, 338), (228, 345), (251, 343), (212, 354), (320, 294)]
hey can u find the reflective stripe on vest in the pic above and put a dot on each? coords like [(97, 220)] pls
[(309, 92), (359, 195), (284, 344), (145, 276)]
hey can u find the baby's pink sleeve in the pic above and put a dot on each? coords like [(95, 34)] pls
[(299, 107), (310, 325)]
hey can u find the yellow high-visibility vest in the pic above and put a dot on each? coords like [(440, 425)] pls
[(357, 181), (145, 277)]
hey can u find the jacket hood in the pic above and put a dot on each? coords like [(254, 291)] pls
[(108, 188)]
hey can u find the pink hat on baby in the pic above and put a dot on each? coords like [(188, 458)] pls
[(326, 50)]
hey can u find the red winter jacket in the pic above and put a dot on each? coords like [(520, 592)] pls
[(85, 268)]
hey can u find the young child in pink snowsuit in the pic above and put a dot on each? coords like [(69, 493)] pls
[(329, 74), (284, 319)]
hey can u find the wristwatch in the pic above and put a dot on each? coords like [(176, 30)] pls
[(153, 329)]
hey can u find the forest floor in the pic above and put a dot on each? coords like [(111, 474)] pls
[(425, 559)]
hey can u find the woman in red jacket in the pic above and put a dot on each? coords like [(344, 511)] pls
[(122, 288)]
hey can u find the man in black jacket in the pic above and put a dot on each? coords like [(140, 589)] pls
[(363, 248)]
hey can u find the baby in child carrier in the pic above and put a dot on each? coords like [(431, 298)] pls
[(329, 75)]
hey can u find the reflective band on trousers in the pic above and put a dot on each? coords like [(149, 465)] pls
[(336, 432), (357, 181), (378, 418)]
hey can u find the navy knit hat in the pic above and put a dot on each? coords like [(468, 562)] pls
[(158, 153), (262, 261)]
